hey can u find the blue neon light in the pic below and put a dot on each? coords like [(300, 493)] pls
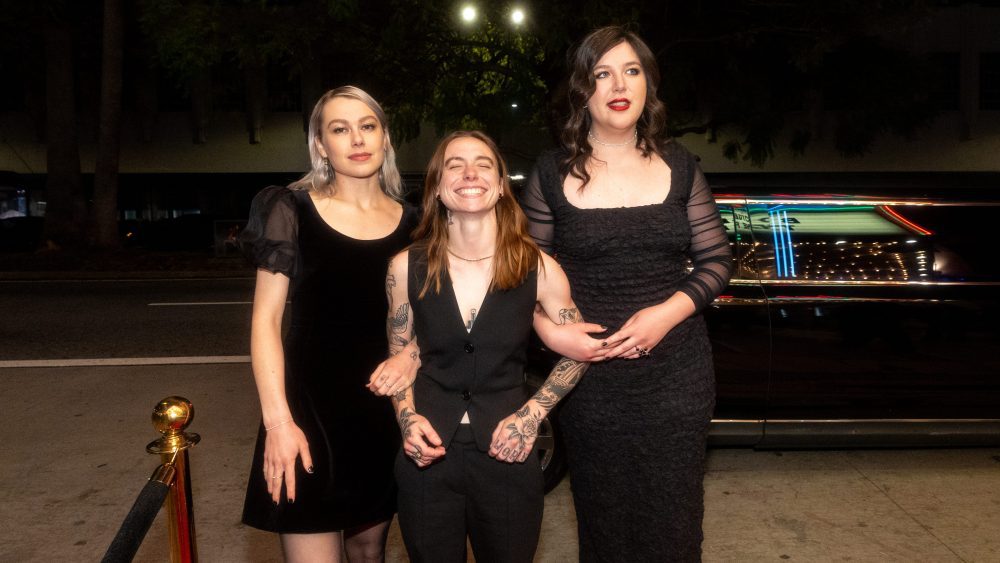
[(784, 253)]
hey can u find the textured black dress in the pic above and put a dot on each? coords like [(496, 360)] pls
[(635, 430), (335, 339)]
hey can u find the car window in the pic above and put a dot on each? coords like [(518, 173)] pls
[(857, 241)]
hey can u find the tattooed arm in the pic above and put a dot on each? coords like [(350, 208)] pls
[(400, 369), (515, 435), (420, 442)]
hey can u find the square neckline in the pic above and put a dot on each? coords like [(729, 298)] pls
[(666, 199), (315, 211)]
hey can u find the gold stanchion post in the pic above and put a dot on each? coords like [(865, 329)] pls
[(171, 417)]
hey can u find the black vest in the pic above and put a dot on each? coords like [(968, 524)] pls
[(480, 372)]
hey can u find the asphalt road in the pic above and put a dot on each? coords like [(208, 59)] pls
[(60, 320)]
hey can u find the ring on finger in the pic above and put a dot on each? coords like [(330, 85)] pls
[(643, 351)]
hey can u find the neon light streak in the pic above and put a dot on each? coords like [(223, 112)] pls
[(790, 250), (778, 262), (784, 253), (906, 222)]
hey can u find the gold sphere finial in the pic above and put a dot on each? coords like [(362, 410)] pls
[(172, 415)]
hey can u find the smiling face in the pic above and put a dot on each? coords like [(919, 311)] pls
[(470, 177), (352, 138), (619, 92)]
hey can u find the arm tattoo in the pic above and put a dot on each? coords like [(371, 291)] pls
[(405, 421), (390, 282), (569, 316), (398, 322), (566, 373), (561, 381), (396, 329)]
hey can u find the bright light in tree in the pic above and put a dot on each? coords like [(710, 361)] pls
[(469, 14), (517, 16)]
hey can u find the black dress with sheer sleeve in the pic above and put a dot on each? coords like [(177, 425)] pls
[(335, 338), (635, 430)]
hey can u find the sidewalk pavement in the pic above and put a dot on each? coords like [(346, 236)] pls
[(73, 459)]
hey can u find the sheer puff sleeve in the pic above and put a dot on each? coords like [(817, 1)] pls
[(541, 223), (710, 251), (270, 239)]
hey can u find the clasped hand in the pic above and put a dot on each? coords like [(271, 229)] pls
[(421, 442), (394, 374), (640, 334), (514, 436)]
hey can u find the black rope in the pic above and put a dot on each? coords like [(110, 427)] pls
[(138, 521)]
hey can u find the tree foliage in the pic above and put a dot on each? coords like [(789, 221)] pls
[(741, 72)]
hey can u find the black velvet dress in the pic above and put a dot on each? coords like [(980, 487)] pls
[(335, 339), (635, 430)]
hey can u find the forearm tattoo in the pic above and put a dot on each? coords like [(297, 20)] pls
[(560, 382), (566, 373), (406, 420), (401, 395)]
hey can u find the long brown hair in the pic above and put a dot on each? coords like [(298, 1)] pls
[(652, 125), (516, 253)]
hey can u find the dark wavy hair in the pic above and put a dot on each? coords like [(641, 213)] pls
[(652, 125), (516, 253)]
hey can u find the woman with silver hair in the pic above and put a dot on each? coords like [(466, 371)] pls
[(322, 470)]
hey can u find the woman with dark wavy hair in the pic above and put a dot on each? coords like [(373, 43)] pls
[(625, 210)]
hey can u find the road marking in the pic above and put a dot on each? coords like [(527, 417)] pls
[(197, 303), (90, 362)]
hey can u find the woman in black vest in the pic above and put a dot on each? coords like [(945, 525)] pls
[(467, 290)]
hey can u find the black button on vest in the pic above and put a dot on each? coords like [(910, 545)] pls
[(466, 395), (469, 348)]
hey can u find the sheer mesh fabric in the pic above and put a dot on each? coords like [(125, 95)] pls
[(270, 238), (709, 252)]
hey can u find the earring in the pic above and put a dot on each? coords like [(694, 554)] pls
[(326, 168), (450, 221)]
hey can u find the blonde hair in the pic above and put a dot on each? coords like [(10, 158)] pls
[(320, 176)]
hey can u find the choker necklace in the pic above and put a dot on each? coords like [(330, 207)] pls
[(635, 135), (469, 259)]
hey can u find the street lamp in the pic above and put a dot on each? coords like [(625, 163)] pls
[(468, 13), (517, 16)]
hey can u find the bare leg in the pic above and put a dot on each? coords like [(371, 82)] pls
[(366, 544), (313, 548)]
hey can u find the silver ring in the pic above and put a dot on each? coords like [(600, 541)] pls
[(642, 351), (276, 477)]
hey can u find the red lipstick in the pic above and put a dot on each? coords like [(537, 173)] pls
[(619, 104), (360, 156)]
